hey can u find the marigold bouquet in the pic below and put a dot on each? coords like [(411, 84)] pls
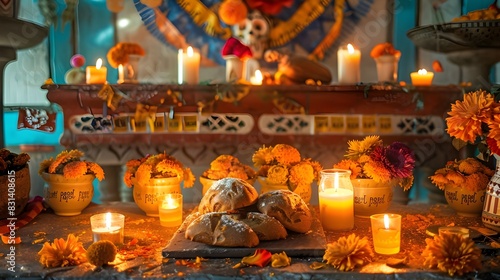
[(476, 120), (468, 173), (283, 165), (141, 170), (369, 158), (71, 166), (228, 166), (119, 53)]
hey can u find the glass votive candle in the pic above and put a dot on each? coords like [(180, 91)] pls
[(170, 210), (386, 230), (108, 226), (336, 202), (454, 230)]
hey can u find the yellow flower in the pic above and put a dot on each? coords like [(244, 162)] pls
[(277, 174), (262, 156), (348, 252), (350, 165), (467, 173), (69, 164), (228, 166), (358, 148), (377, 171), (452, 253), (62, 253), (301, 174), (280, 260)]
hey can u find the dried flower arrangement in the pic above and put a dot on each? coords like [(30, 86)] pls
[(369, 158), (228, 166), (468, 173), (452, 253), (62, 252), (71, 166), (157, 166), (348, 252), (12, 161), (283, 165)]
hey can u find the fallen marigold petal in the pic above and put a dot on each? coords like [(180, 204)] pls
[(280, 260), (261, 258), (317, 265)]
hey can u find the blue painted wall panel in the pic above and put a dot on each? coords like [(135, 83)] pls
[(16, 137), (405, 18)]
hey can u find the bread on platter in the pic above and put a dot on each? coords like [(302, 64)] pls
[(226, 195), (221, 229), (288, 208), (266, 227)]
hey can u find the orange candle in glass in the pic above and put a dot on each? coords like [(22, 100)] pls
[(421, 78), (96, 74)]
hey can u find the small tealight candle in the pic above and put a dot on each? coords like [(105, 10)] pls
[(108, 226), (386, 231), (336, 203), (421, 78), (348, 60), (257, 78), (170, 210), (96, 74), (188, 66)]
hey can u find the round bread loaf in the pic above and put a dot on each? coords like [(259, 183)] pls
[(266, 227), (228, 194), (288, 208), (220, 229)]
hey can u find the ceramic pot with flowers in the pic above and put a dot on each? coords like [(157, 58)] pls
[(15, 183), (225, 166), (281, 167), (474, 120), (148, 196), (69, 182), (154, 176), (375, 170), (464, 183)]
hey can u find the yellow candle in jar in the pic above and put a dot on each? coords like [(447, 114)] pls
[(386, 231), (348, 60), (336, 206), (421, 78), (96, 74), (170, 210)]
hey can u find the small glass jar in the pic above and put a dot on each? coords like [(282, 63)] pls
[(336, 201)]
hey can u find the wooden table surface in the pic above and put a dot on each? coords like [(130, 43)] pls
[(144, 260)]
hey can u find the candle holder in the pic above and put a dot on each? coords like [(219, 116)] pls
[(387, 67), (386, 230), (336, 203), (108, 226), (170, 210), (128, 73)]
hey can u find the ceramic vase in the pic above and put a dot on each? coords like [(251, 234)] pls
[(68, 197), (128, 73), (16, 184), (465, 202), (491, 207), (304, 191), (371, 197), (148, 196)]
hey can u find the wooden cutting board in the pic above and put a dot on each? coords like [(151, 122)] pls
[(311, 244)]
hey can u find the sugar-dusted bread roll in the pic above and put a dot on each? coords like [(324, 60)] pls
[(288, 208), (220, 229), (266, 227), (228, 194)]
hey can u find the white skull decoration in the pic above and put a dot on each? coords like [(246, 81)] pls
[(254, 32)]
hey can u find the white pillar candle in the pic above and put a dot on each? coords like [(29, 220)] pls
[(188, 66), (256, 79), (349, 65), (336, 203)]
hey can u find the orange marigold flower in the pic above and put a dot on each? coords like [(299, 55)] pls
[(277, 174), (71, 166), (228, 166), (348, 252), (452, 253), (358, 148), (96, 169), (377, 171), (466, 117), (62, 252), (455, 177), (262, 156), (74, 169), (476, 182), (301, 174), (350, 165), (285, 154)]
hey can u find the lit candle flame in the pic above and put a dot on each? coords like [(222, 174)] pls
[(350, 49), (422, 72), (386, 221), (108, 220), (98, 63), (190, 51)]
